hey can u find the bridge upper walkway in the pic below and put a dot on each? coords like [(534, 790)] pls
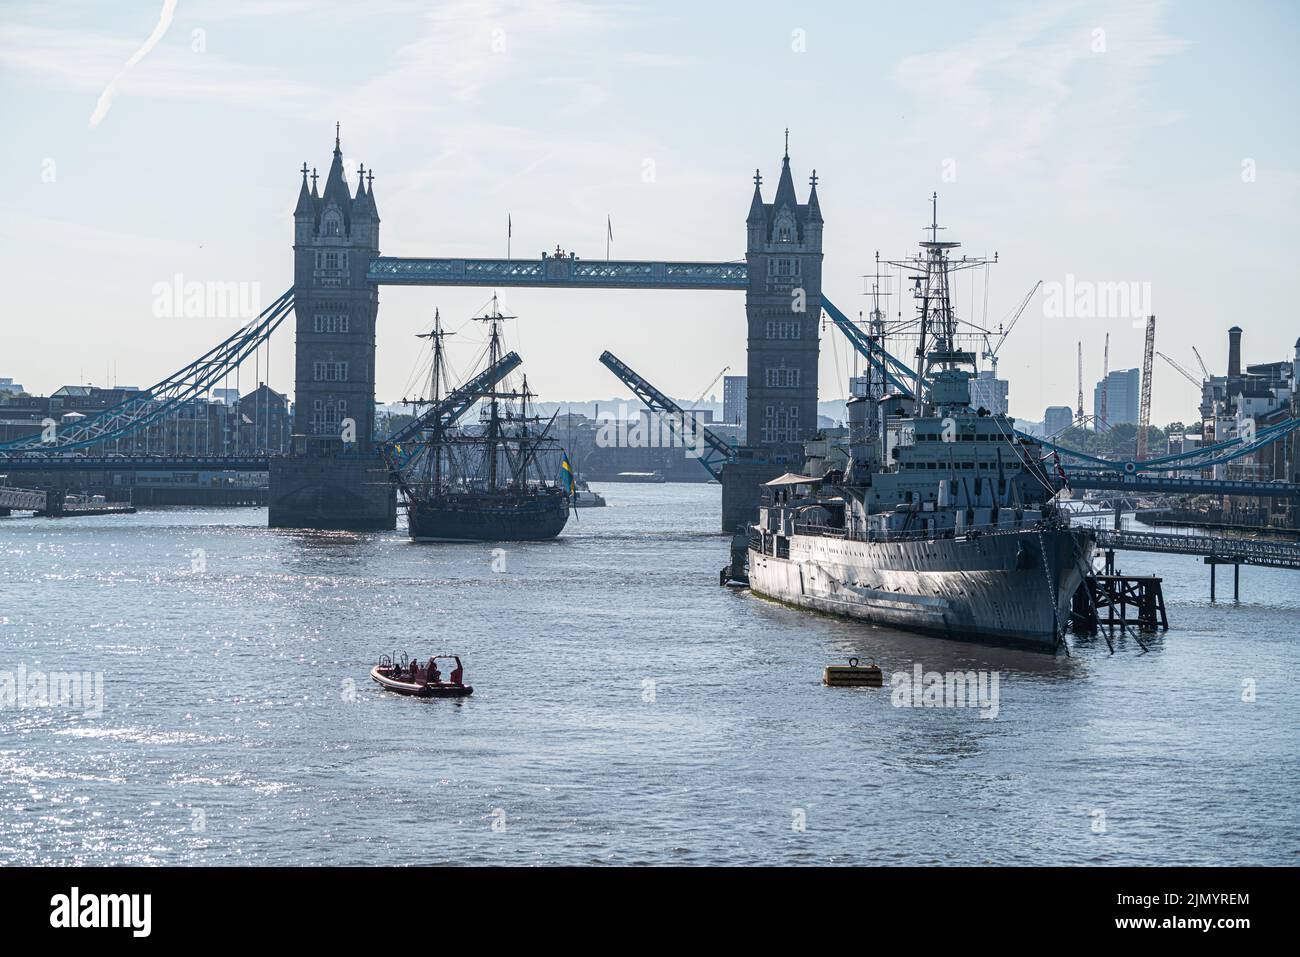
[(1120, 482), (1226, 549), (560, 272)]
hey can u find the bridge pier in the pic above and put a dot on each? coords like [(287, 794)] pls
[(334, 492), (742, 485), (1214, 562)]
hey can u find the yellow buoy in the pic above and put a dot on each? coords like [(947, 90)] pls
[(853, 675)]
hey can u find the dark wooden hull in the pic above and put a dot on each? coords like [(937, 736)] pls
[(481, 518)]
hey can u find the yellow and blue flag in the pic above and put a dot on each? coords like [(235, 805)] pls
[(566, 474)]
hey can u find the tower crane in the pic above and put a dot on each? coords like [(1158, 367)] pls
[(1204, 371), (1180, 369), (1079, 414), (991, 351), (1144, 403), (1103, 413), (710, 386)]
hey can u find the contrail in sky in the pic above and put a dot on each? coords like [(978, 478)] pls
[(106, 98)]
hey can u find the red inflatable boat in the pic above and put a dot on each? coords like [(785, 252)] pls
[(422, 681)]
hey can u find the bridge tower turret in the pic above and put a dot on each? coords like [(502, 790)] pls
[(783, 308), (336, 234), (335, 237), (783, 303)]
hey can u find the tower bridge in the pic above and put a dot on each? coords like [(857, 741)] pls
[(335, 477), (338, 270)]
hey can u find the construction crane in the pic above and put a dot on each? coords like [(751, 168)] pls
[(1102, 411), (1181, 371), (710, 386), (1204, 371), (991, 351), (1079, 415), (1144, 403)]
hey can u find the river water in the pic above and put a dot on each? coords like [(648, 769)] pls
[(626, 709)]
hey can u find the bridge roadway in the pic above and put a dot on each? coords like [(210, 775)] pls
[(1119, 482), (135, 463), (260, 462), (1221, 549)]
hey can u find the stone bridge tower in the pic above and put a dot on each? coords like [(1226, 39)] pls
[(335, 235), (783, 307), (334, 478), (783, 310)]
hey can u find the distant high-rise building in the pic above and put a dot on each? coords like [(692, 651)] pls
[(734, 395), (1057, 418), (989, 392), (1123, 388)]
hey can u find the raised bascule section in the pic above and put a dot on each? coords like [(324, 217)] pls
[(712, 451)]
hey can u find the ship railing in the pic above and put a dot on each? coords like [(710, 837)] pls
[(969, 531), (829, 531)]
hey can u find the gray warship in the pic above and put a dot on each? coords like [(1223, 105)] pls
[(941, 519)]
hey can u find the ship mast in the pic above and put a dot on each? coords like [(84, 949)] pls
[(876, 333), (437, 381), (493, 319), (930, 272)]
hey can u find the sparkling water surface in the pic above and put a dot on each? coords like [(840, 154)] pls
[(626, 709)]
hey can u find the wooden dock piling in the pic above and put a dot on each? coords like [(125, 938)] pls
[(1113, 600)]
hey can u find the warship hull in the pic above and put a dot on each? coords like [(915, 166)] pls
[(487, 518), (1005, 588)]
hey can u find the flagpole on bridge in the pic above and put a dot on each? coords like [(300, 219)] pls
[(609, 235), (509, 230)]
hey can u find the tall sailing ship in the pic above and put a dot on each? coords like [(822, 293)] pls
[(943, 518), (484, 482)]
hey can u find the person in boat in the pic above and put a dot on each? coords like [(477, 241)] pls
[(458, 673), (435, 676)]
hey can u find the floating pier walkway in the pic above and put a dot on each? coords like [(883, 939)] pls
[(1216, 550)]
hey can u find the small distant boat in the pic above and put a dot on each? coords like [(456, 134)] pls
[(656, 477), (409, 677), (583, 497)]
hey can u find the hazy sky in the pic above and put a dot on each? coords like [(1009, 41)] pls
[(1114, 142)]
